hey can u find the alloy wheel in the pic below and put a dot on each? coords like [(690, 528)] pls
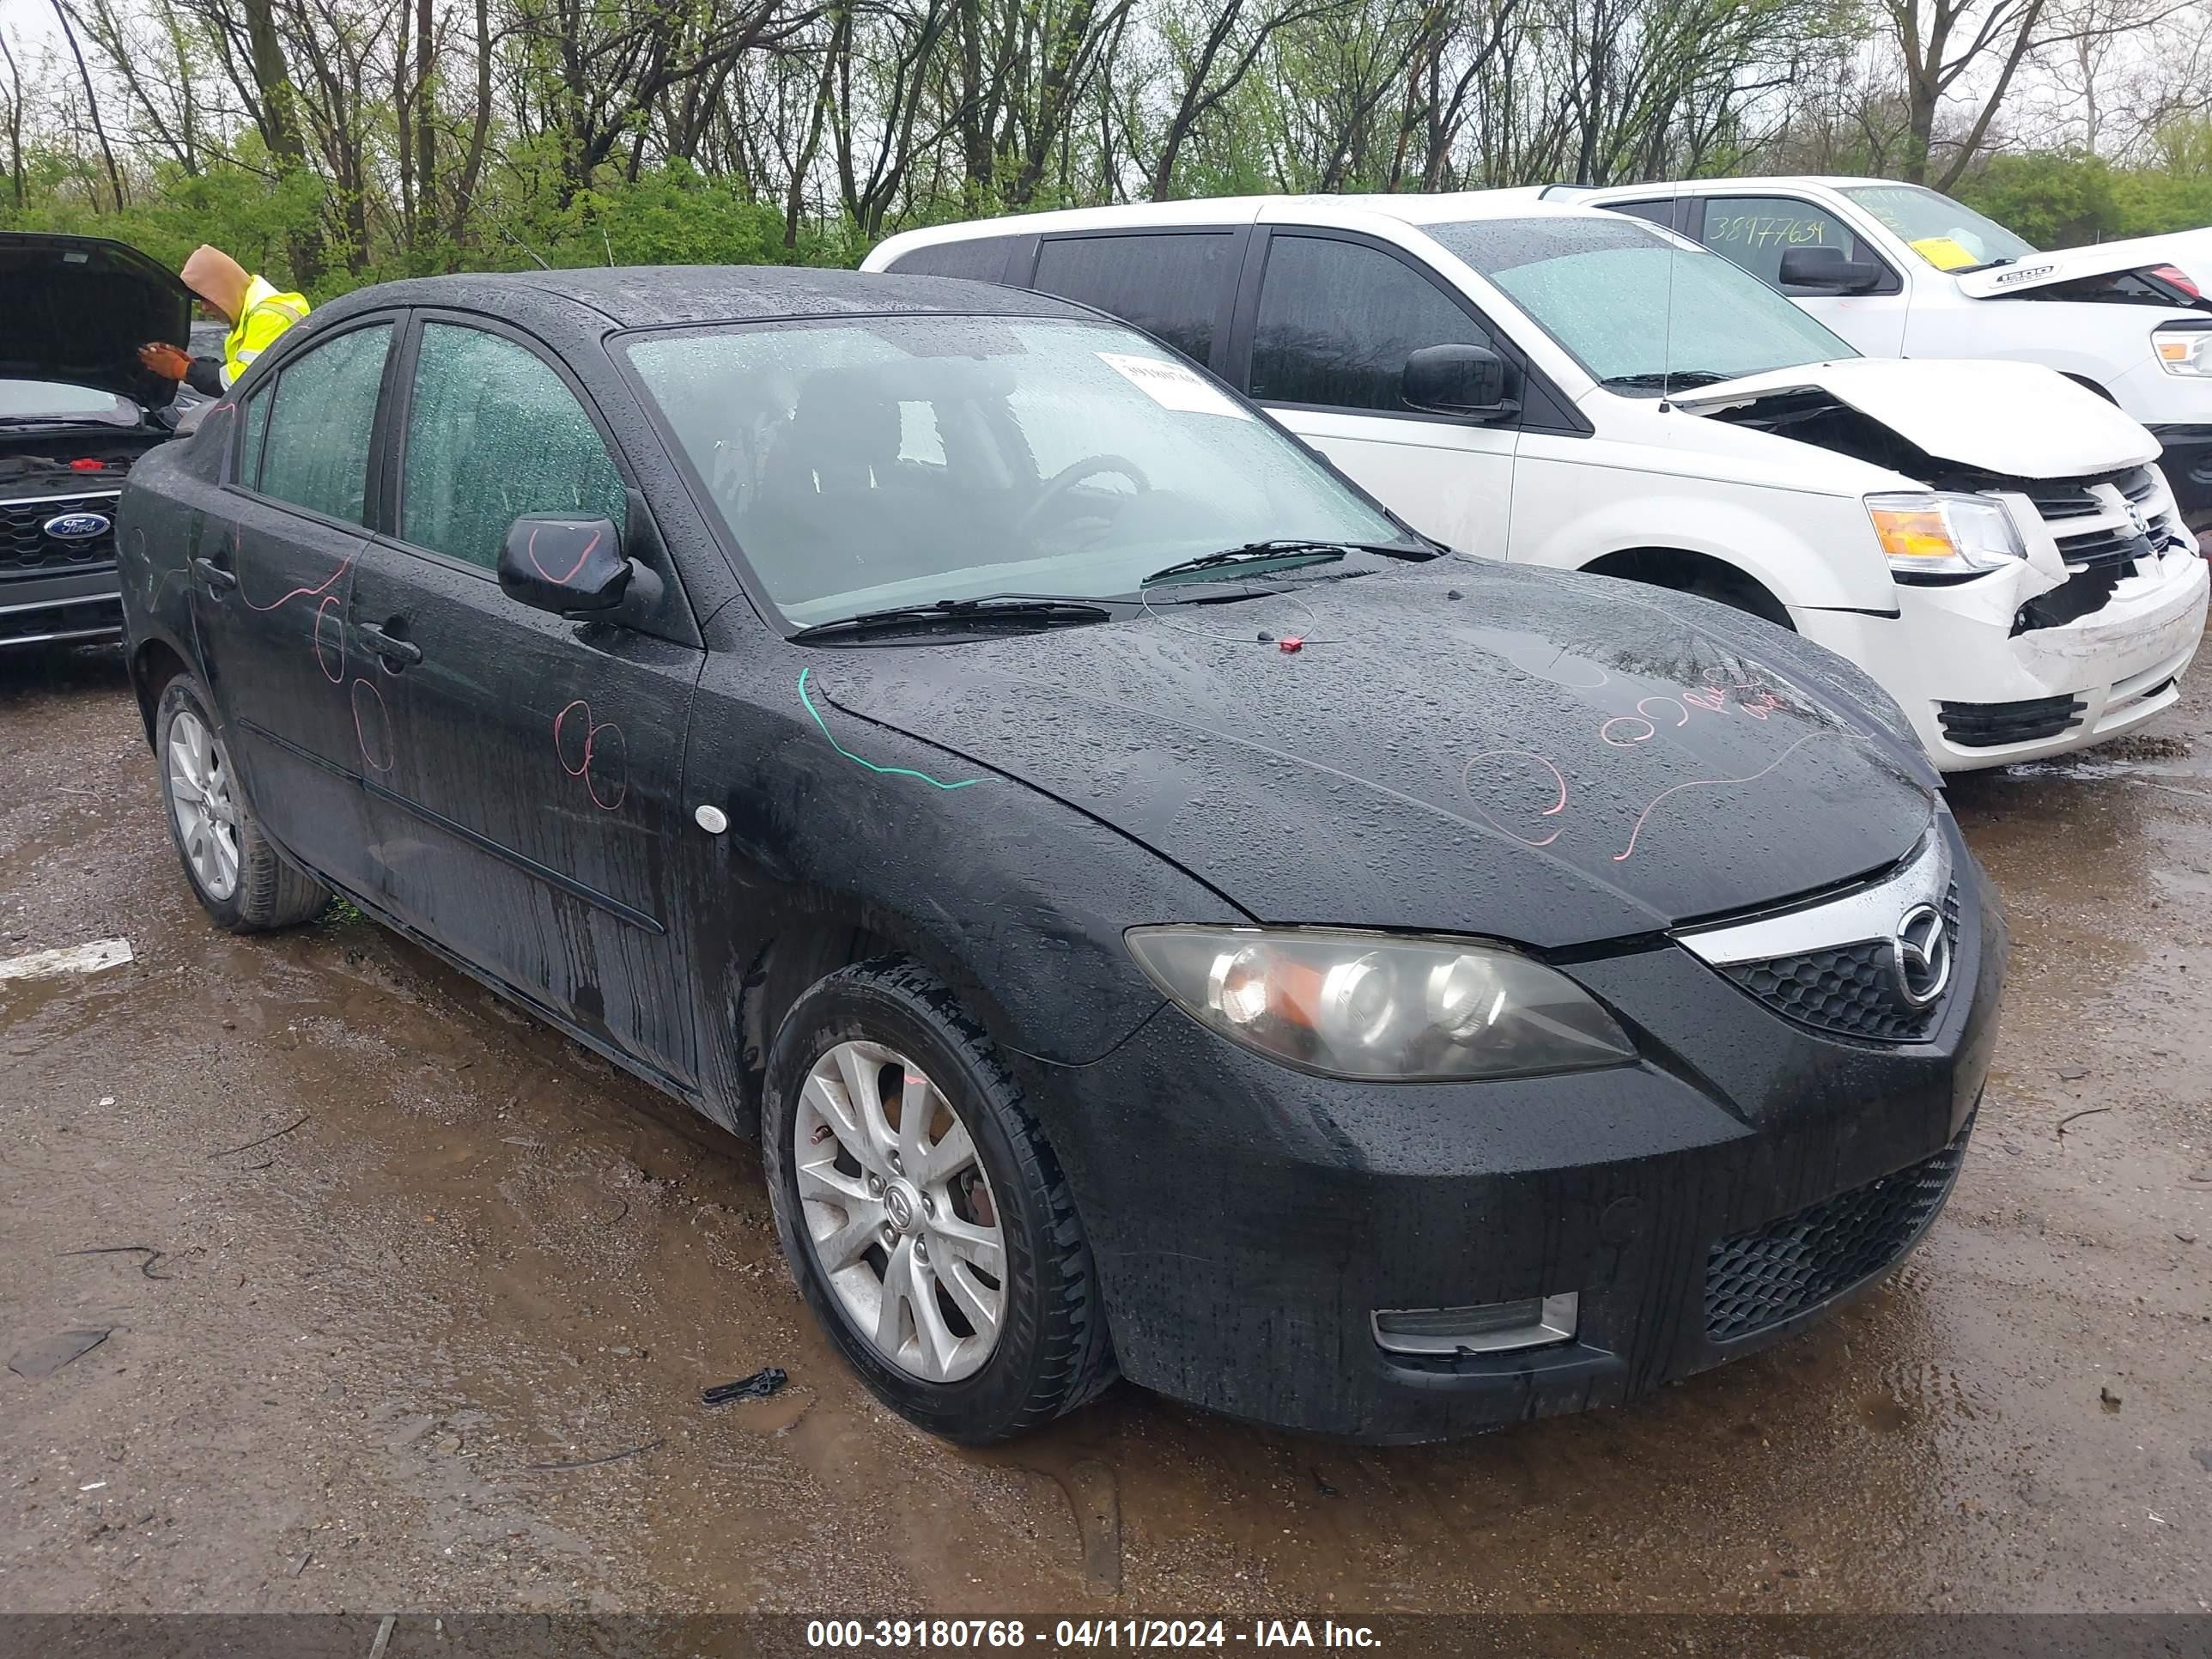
[(899, 1215), (202, 803)]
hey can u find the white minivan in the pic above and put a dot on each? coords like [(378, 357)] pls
[(1900, 270), (1585, 390)]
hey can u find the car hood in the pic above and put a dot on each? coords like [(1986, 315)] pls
[(2190, 251), (2020, 420), (1458, 746), (77, 308)]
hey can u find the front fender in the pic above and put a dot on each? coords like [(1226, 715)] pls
[(1808, 550)]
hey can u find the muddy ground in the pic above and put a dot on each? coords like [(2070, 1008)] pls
[(455, 1249)]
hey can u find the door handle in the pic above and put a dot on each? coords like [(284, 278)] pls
[(397, 654), (213, 575)]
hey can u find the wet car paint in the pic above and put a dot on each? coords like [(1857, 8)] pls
[(1548, 759), (484, 1251)]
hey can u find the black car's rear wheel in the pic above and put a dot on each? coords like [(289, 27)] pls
[(238, 877), (925, 1218)]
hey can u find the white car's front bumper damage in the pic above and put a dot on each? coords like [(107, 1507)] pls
[(1968, 680)]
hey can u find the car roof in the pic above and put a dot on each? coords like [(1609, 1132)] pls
[(1794, 181), (653, 296), (1409, 209)]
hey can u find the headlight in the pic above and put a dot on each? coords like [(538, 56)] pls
[(1938, 535), (1379, 1006), (2183, 348)]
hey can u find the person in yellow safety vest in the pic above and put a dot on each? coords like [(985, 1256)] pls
[(256, 311)]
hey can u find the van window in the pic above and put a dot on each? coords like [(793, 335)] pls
[(1659, 212), (1756, 231), (981, 258), (1168, 285), (1337, 320)]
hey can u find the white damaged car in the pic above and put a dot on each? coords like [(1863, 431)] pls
[(1991, 542), (1901, 270)]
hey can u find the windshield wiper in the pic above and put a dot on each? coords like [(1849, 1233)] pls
[(1256, 553), (1683, 378), (1007, 609)]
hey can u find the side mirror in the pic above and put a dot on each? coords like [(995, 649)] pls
[(1827, 271), (1457, 380), (563, 564)]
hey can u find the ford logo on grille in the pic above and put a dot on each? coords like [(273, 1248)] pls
[(76, 526)]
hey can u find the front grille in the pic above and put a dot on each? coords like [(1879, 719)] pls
[(1851, 990), (2074, 498), (2099, 553), (1991, 725), (1760, 1278), (25, 545)]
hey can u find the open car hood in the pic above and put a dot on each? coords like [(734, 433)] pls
[(1459, 747), (76, 309), (2019, 420), (2188, 250)]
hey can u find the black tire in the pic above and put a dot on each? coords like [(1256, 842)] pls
[(269, 892), (1054, 1352)]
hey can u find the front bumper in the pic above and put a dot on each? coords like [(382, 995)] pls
[(1952, 660), (1247, 1221), (76, 605)]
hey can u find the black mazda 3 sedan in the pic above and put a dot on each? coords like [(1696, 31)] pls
[(1162, 918)]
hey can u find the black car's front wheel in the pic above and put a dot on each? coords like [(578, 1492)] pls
[(238, 876), (924, 1215)]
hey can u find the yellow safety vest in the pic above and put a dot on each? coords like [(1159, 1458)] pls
[(267, 314)]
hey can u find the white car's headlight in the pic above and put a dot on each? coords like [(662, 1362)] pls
[(1931, 534), (1381, 1005), (2184, 348)]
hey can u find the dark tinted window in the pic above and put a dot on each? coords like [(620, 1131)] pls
[(1337, 320), (492, 434), (1756, 231), (1659, 212), (316, 452), (1170, 286), (981, 257)]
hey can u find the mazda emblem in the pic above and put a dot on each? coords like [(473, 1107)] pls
[(1920, 955)]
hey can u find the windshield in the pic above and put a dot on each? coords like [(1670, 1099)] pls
[(35, 399), (1636, 307), (1948, 236), (898, 461)]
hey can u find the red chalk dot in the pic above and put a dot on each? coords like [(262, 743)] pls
[(1290, 644)]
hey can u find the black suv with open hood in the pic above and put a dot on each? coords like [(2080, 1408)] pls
[(77, 409)]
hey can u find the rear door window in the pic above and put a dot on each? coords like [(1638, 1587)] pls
[(981, 258), (492, 434), (315, 451), (1659, 211), (1756, 231), (1169, 284), (1337, 321)]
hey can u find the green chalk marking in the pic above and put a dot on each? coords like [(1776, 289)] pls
[(888, 771)]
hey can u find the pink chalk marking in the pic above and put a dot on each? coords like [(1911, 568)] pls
[(1557, 806), (583, 767), (322, 656), (360, 737), (530, 548), (1708, 783)]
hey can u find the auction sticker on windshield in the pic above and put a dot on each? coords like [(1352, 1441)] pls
[(1170, 385)]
